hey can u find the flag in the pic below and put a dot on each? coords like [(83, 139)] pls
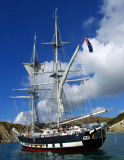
[(89, 45)]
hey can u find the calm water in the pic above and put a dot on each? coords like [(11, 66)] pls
[(113, 149)]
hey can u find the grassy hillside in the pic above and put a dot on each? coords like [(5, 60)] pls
[(88, 120), (117, 119)]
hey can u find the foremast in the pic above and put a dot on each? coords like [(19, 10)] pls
[(33, 68), (34, 65)]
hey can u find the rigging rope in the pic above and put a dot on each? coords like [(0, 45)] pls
[(18, 112), (92, 96), (16, 106)]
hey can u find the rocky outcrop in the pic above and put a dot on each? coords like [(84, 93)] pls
[(117, 127), (117, 119), (117, 124), (6, 133)]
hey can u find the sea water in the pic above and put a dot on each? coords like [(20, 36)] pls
[(113, 149)]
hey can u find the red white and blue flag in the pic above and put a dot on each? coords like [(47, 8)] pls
[(89, 45)]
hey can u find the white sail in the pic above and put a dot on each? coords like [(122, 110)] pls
[(61, 109), (33, 70)]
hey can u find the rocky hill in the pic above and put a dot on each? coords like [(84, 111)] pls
[(117, 127), (117, 119), (117, 124), (6, 133)]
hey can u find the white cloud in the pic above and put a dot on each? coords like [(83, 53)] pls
[(22, 118), (44, 111), (107, 60), (25, 117), (87, 23), (112, 25), (107, 65), (25, 81), (98, 109)]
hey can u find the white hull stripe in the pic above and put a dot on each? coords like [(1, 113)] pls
[(56, 145), (73, 144)]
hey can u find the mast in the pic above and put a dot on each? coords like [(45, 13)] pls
[(32, 86), (56, 75), (56, 62), (56, 44), (33, 68), (34, 49), (60, 83)]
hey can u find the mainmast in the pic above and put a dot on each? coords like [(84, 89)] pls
[(56, 43), (59, 83), (56, 62), (56, 75), (32, 86)]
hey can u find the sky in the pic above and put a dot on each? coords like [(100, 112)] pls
[(101, 21)]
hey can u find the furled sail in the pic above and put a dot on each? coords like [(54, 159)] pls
[(33, 69), (61, 108)]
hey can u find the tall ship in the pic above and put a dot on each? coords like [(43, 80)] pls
[(61, 132)]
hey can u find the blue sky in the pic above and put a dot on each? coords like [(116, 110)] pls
[(19, 20)]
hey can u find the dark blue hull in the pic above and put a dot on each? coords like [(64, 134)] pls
[(75, 142)]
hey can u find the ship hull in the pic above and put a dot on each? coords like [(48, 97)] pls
[(66, 143), (62, 150)]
